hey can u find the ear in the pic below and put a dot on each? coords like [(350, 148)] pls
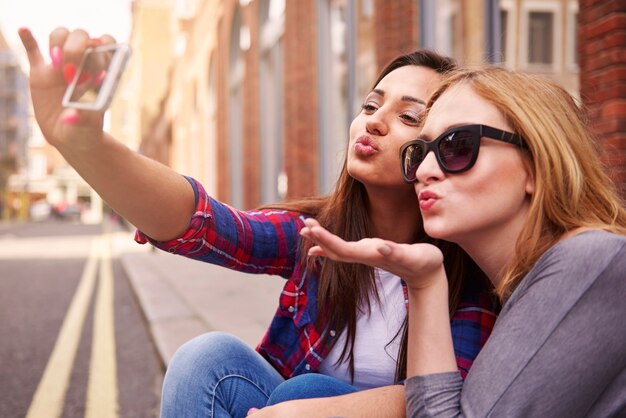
[(530, 185), (530, 179)]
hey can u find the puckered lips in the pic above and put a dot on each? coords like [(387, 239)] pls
[(427, 199), (365, 146)]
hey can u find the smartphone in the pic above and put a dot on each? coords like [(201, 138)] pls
[(97, 77)]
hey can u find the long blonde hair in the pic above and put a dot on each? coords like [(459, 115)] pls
[(572, 187)]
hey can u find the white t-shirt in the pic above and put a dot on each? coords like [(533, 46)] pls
[(377, 339)]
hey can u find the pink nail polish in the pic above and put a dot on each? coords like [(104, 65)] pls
[(55, 55), (69, 71), (71, 118)]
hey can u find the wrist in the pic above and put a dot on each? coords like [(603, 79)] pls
[(90, 143), (432, 282)]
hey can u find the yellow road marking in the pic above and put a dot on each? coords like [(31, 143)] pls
[(50, 394), (102, 387)]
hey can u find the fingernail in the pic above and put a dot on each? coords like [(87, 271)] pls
[(71, 118), (251, 410), (55, 55), (96, 40), (69, 71)]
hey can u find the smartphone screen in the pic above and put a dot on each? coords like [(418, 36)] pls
[(97, 77)]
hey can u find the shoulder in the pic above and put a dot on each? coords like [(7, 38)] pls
[(207, 203), (592, 242), (576, 263), (589, 250)]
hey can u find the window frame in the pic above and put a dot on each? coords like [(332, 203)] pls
[(571, 36), (509, 43), (541, 6)]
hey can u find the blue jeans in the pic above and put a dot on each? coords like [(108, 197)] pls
[(217, 375), (312, 385)]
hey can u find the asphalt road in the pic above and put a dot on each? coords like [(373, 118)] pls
[(73, 341)]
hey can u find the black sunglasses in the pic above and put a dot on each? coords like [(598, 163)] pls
[(456, 149)]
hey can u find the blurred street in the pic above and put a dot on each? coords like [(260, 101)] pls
[(122, 308), (43, 266)]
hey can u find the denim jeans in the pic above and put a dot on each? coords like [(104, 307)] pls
[(312, 385), (217, 375)]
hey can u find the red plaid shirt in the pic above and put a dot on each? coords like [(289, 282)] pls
[(267, 242)]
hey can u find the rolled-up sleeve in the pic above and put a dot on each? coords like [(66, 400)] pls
[(256, 241)]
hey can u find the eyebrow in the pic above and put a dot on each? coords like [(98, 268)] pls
[(403, 98), (454, 125)]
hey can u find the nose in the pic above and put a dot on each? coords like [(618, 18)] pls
[(377, 124), (429, 170)]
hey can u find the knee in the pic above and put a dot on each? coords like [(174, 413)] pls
[(203, 354), (311, 385)]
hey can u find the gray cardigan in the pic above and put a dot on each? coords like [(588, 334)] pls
[(558, 348)]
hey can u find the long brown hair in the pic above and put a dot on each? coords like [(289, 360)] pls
[(572, 188), (344, 289)]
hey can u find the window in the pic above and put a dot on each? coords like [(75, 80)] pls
[(540, 37), (508, 33), (235, 110), (347, 69), (273, 177), (504, 20), (365, 66), (440, 25), (333, 74), (572, 35), (210, 177)]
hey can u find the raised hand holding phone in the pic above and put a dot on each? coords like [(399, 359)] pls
[(64, 127), (132, 184)]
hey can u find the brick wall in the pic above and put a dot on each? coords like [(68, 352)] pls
[(398, 22), (301, 100), (251, 120), (301, 123), (602, 58), (602, 49), (223, 162)]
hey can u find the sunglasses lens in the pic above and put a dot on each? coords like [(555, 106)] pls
[(412, 158), (456, 150)]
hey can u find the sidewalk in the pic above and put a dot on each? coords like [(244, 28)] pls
[(183, 298)]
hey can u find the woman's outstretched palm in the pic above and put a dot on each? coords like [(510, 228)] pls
[(417, 264)]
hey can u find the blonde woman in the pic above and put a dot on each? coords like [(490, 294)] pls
[(506, 168)]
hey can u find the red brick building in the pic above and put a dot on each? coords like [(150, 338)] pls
[(261, 92), (602, 48)]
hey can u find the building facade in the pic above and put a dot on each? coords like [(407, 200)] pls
[(602, 35), (254, 97), (14, 133)]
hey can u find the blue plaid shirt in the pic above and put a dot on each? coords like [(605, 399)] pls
[(268, 242)]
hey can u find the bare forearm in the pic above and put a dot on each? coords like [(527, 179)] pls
[(151, 196), (381, 402), (430, 348)]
